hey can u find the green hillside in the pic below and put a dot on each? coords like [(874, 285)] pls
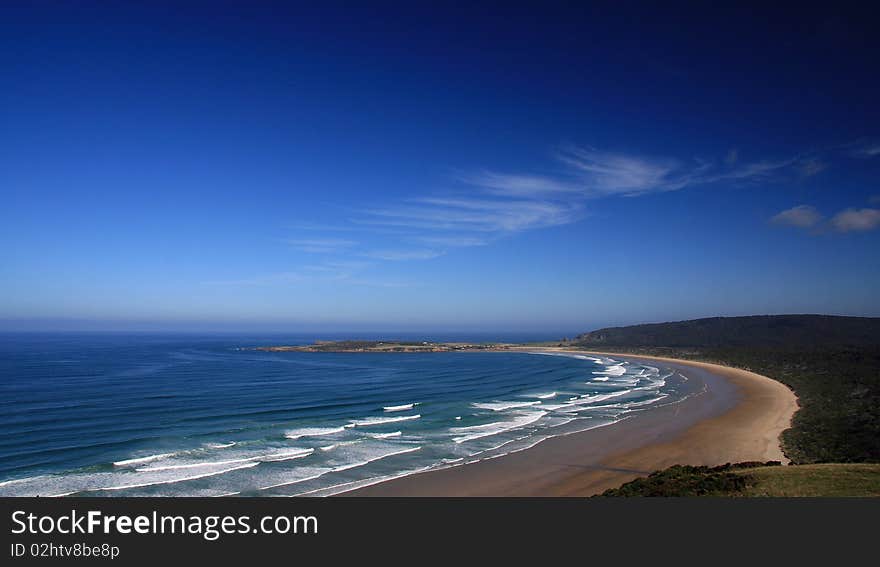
[(790, 331), (831, 363)]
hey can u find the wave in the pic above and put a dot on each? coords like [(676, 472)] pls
[(142, 460), (487, 429), (354, 484), (312, 432), (501, 406), (385, 435), (368, 421), (357, 464), (65, 485), (399, 408), (263, 458), (546, 396), (172, 481), (615, 370), (285, 456), (586, 400), (219, 445)]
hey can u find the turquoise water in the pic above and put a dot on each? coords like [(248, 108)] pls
[(142, 415)]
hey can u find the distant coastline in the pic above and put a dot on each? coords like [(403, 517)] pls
[(391, 346)]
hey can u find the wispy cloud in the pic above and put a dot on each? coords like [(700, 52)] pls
[(606, 173), (867, 150), (851, 220), (455, 241), (486, 205), (514, 185), (590, 174), (802, 216), (470, 214), (262, 280), (401, 255), (321, 245)]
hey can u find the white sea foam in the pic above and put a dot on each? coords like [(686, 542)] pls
[(385, 435), (285, 455), (219, 445), (288, 482), (368, 421), (546, 396), (501, 406), (599, 379), (400, 407), (175, 480), (587, 400), (374, 458), (312, 432), (485, 430), (614, 370), (23, 480), (351, 485), (142, 460), (553, 407), (65, 485), (265, 458)]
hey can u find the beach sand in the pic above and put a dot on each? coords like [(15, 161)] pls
[(735, 416)]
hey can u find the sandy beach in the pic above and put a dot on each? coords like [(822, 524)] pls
[(734, 416)]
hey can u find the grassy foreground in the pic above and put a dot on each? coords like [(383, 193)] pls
[(758, 479)]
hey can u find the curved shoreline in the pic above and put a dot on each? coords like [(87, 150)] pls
[(738, 417)]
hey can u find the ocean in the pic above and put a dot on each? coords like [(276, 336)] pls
[(184, 415)]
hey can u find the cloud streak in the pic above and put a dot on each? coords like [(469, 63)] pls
[(802, 216), (847, 220), (322, 245), (861, 220)]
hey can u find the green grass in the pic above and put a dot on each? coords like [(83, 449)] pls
[(850, 479), (757, 480)]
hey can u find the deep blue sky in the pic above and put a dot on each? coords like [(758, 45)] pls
[(283, 166)]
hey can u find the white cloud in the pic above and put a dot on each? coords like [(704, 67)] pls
[(802, 216), (454, 241), (514, 185), (605, 173), (867, 150), (400, 255), (856, 220), (466, 214), (322, 245)]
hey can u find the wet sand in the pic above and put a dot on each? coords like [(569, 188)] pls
[(734, 416)]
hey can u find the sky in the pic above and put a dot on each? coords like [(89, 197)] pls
[(459, 166)]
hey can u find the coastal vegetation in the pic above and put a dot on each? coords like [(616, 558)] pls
[(757, 480), (831, 363)]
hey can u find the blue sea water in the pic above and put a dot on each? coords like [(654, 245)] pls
[(144, 415)]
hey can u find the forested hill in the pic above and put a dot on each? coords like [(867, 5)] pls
[(779, 331)]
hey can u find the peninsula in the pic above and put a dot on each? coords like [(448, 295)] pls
[(388, 346)]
